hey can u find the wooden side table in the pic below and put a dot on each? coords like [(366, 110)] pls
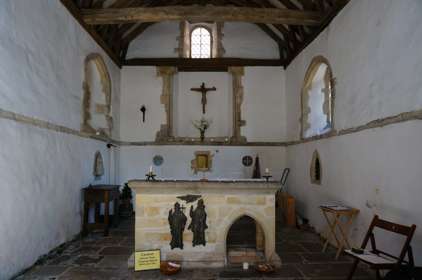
[(337, 212), (288, 205), (96, 195)]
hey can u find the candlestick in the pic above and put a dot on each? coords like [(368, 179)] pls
[(150, 169)]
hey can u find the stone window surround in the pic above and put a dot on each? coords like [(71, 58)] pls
[(165, 134), (328, 106), (103, 109), (216, 31)]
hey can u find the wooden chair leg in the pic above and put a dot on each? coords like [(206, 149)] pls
[(378, 275), (106, 217), (116, 218), (85, 219), (352, 270)]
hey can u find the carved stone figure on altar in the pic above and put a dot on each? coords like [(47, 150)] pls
[(198, 224), (177, 221)]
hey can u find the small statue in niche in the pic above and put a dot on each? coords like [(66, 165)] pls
[(98, 166), (198, 224), (177, 221)]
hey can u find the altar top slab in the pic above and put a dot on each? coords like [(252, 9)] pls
[(166, 186)]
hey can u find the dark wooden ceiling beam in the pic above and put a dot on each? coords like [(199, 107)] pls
[(73, 9), (338, 5), (212, 13), (208, 62), (283, 49)]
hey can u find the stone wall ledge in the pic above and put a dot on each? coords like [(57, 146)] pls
[(201, 187)]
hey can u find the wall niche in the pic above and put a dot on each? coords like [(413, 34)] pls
[(96, 102), (316, 169)]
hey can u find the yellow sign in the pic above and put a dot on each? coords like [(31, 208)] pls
[(147, 260)]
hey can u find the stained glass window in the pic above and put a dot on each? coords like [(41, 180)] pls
[(200, 43)]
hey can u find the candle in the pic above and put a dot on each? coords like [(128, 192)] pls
[(150, 169), (245, 266), (267, 170)]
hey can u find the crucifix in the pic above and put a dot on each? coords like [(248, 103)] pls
[(203, 90)]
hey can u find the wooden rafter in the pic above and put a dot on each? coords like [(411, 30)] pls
[(339, 4), (208, 62), (74, 10), (292, 24), (192, 13)]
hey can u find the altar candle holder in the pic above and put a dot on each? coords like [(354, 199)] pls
[(267, 177), (267, 174), (150, 176)]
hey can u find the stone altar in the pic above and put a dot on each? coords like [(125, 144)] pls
[(225, 202)]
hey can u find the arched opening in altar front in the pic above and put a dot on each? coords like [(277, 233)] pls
[(245, 241)]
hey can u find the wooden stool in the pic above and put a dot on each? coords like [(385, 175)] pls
[(100, 194), (337, 212)]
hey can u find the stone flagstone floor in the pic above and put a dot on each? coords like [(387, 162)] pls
[(98, 257)]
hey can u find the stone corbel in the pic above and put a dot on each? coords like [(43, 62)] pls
[(166, 130), (237, 74)]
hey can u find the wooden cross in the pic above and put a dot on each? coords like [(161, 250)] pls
[(203, 90)]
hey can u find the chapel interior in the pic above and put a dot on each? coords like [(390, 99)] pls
[(220, 139)]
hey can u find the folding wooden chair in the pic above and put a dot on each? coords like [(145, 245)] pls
[(378, 259)]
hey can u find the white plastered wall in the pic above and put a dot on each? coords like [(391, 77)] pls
[(227, 161), (241, 40), (263, 105), (373, 47), (42, 53), (188, 106)]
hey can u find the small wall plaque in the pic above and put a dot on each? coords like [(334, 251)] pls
[(247, 161), (158, 160), (202, 161), (147, 260)]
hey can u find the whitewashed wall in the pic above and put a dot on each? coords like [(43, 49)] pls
[(263, 106), (158, 40), (374, 50), (140, 86), (246, 40), (42, 52), (243, 40), (188, 107), (227, 161), (376, 171)]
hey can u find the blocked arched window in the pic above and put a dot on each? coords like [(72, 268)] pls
[(96, 102), (201, 43), (317, 99)]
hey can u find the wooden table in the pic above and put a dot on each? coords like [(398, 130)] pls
[(96, 195), (337, 213)]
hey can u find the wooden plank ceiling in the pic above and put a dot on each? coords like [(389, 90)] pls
[(292, 24)]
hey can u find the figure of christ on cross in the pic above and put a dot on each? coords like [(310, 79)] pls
[(203, 90)]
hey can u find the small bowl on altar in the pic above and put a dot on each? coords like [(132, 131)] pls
[(264, 268), (169, 268)]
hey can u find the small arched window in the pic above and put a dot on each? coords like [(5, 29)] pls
[(317, 99), (200, 43)]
